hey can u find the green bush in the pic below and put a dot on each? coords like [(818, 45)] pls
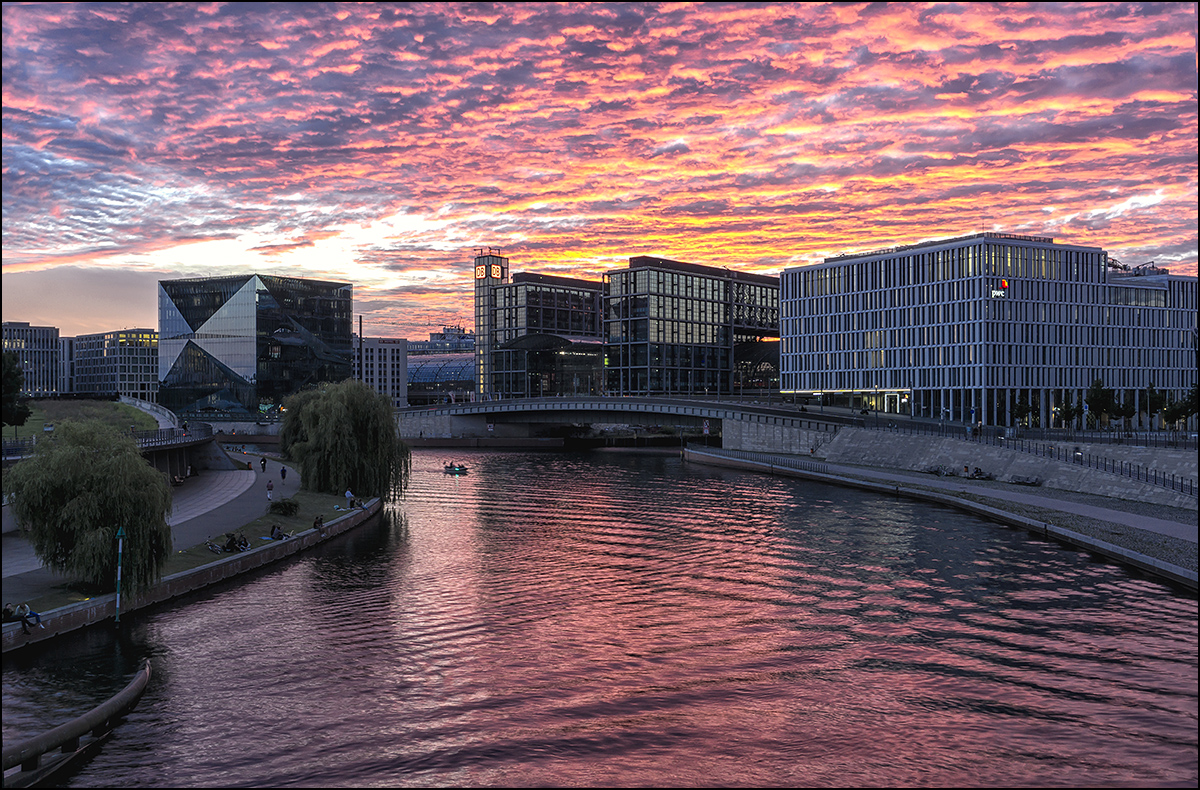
[(285, 507)]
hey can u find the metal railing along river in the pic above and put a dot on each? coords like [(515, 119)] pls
[(1057, 452)]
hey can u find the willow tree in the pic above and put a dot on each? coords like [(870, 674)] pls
[(343, 436), (77, 489)]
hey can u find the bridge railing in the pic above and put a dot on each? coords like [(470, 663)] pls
[(664, 406), (165, 437)]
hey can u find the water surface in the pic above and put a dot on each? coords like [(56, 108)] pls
[(607, 619)]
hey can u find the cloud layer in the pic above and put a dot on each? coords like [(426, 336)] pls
[(381, 144)]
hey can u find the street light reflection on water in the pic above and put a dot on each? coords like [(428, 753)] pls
[(614, 619)]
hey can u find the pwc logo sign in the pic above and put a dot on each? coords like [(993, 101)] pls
[(1002, 291)]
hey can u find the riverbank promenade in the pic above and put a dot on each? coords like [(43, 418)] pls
[(206, 505), (215, 502)]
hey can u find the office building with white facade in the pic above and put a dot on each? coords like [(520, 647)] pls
[(124, 362), (38, 354), (965, 328), (382, 364), (66, 365)]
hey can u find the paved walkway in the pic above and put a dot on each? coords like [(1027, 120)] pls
[(1007, 493), (206, 505)]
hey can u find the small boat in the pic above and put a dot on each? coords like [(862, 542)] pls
[(455, 469)]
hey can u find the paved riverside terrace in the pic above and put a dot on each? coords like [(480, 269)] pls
[(206, 505)]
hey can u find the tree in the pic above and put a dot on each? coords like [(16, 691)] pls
[(343, 436), (77, 489), (1021, 409), (16, 410), (1068, 411), (1125, 411), (1175, 412), (1099, 399)]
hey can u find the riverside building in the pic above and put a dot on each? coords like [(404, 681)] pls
[(660, 327), (122, 362), (536, 334), (382, 364), (237, 346), (964, 329), (674, 328), (38, 354)]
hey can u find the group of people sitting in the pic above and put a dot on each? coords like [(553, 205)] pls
[(22, 614), (236, 542)]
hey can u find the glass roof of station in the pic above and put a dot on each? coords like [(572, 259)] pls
[(441, 368)]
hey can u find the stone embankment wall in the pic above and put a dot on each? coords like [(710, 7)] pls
[(104, 607), (865, 447), (765, 438), (423, 425)]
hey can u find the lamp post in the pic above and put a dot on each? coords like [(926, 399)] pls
[(120, 551)]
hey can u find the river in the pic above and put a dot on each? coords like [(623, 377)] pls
[(617, 619)]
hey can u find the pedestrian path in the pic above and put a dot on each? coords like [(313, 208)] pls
[(206, 505), (961, 485)]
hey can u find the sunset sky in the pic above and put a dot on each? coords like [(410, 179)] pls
[(380, 145)]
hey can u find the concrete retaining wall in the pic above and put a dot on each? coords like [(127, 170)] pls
[(442, 426), (1154, 567), (104, 607), (765, 438), (918, 453)]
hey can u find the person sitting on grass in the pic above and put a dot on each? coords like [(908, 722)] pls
[(277, 533)]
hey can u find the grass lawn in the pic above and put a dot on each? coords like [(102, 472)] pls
[(310, 505), (118, 415)]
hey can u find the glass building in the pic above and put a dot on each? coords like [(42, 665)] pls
[(441, 378), (239, 345), (672, 327), (536, 334), (968, 328), (547, 337)]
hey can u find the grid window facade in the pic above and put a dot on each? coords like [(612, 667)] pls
[(121, 363), (382, 364), (964, 328), (671, 327), (38, 354)]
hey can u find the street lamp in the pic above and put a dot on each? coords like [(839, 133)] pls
[(120, 551)]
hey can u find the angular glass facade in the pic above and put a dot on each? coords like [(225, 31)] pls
[(239, 345), (672, 327)]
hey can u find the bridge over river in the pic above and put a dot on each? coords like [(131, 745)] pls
[(524, 417)]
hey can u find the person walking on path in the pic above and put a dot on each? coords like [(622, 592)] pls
[(264, 464), (282, 474), (270, 488)]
